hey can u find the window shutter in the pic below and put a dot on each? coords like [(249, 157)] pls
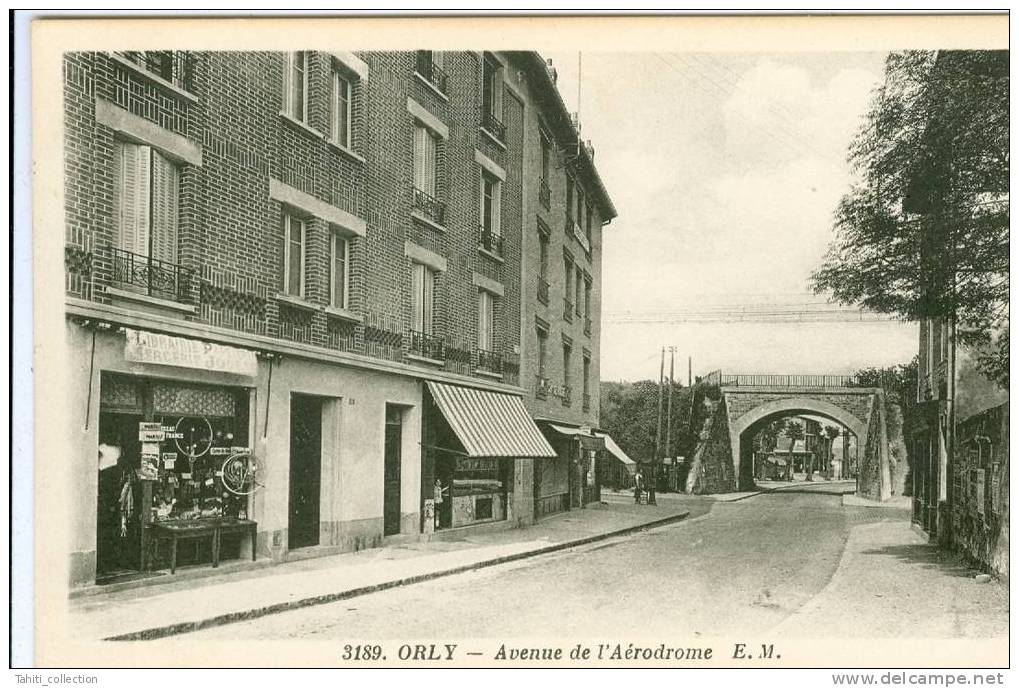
[(417, 297), (428, 299), (424, 160), (165, 194), (133, 201)]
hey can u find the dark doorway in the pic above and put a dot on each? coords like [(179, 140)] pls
[(118, 522), (391, 487), (305, 470)]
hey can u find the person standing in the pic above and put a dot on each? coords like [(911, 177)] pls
[(638, 485)]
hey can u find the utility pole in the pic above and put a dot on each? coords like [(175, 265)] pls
[(689, 371), (658, 434), (668, 412)]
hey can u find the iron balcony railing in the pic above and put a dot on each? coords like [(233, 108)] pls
[(540, 387), (543, 290), (174, 66), (544, 194), (429, 206), (489, 361), (426, 345), (587, 401), (426, 67), (154, 277), (490, 241), (494, 127), (567, 395), (739, 380), (567, 310)]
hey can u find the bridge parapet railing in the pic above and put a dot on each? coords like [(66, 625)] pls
[(822, 381)]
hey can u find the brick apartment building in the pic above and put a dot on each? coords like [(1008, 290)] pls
[(304, 298)]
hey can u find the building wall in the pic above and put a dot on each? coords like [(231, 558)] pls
[(979, 491)]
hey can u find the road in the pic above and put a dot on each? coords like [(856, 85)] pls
[(745, 567)]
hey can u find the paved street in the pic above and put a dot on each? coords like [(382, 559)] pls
[(746, 566)]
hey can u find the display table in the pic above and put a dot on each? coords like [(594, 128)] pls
[(176, 530)]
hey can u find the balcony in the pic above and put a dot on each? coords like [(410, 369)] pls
[(490, 241), (567, 310), (489, 361), (543, 290), (493, 126), (567, 395), (429, 207), (152, 277), (431, 72), (544, 194), (426, 345), (172, 66), (540, 387), (586, 402), (587, 326)]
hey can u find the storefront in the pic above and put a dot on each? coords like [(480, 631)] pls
[(473, 443), (571, 479), (615, 468)]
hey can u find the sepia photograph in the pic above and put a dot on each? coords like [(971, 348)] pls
[(521, 342)]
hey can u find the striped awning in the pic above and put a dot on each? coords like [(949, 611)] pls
[(490, 424), (616, 450), (609, 444)]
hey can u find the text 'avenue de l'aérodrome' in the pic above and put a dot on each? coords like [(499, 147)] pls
[(620, 652)]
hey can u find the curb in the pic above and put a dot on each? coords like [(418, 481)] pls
[(235, 617)]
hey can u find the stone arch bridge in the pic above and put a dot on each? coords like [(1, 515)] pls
[(723, 461)]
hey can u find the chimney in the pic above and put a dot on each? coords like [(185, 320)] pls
[(552, 73)]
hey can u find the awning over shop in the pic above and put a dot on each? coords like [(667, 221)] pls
[(616, 451), (588, 440), (490, 424)]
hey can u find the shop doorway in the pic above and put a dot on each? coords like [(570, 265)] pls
[(118, 526), (305, 470), (391, 473)]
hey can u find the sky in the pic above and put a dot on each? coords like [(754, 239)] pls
[(725, 169)]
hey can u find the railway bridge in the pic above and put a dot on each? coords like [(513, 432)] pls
[(723, 461)]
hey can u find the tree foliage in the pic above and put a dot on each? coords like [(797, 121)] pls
[(924, 232), (629, 412)]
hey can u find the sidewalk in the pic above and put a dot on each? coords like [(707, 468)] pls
[(187, 603), (891, 584)]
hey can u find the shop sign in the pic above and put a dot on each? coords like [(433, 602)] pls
[(150, 432), (555, 390), (465, 464), (161, 349), (220, 451)]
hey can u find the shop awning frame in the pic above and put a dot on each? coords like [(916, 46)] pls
[(490, 424)]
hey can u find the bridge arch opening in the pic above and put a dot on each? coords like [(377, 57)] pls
[(745, 428)]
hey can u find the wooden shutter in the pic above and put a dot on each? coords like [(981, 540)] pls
[(428, 296), (417, 297), (133, 198), (165, 192), (425, 160)]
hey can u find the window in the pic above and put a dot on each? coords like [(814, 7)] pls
[(429, 65), (341, 109), (543, 255), (486, 320), (569, 197), (491, 93), (148, 188), (587, 302), (546, 158), (425, 160), (568, 268), (422, 298), (542, 352), (295, 85), (294, 237), (567, 353), (490, 202), (339, 278), (587, 376), (579, 291), (587, 224), (579, 216)]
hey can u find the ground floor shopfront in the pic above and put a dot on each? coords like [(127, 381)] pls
[(183, 447)]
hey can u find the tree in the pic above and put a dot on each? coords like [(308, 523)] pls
[(899, 384), (795, 432), (924, 234), (829, 434)]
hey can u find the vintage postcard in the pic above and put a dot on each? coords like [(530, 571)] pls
[(521, 342)]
